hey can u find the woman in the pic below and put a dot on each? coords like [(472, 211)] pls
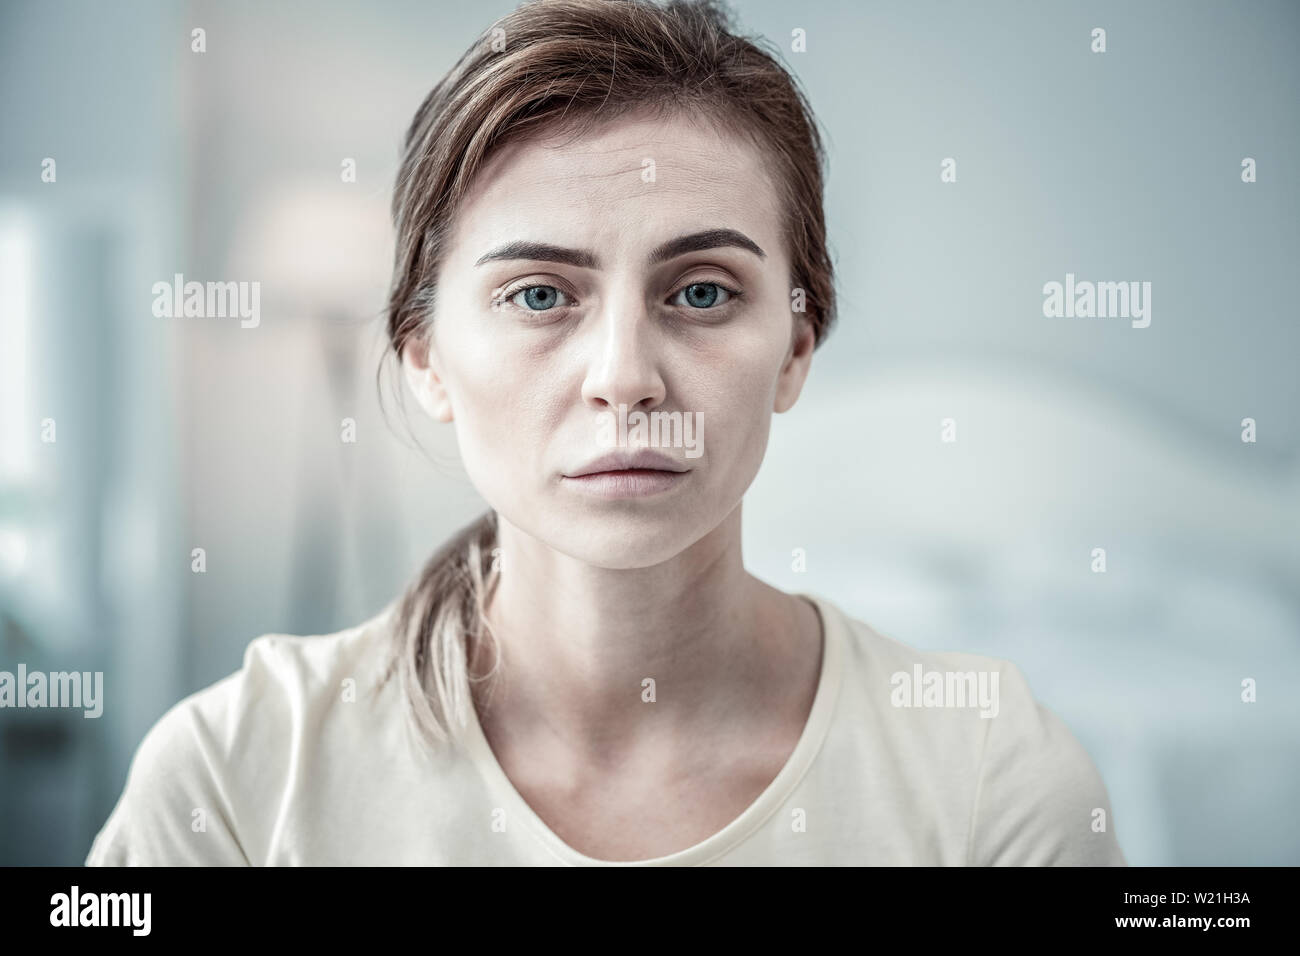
[(610, 235)]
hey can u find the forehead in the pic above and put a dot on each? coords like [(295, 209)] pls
[(628, 183)]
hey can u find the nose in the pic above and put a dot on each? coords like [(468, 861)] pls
[(623, 368)]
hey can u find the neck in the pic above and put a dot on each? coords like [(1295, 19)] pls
[(578, 643)]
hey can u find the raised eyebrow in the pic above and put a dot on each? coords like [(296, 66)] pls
[(694, 242), (708, 239)]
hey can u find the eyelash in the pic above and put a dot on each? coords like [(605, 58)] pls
[(506, 297)]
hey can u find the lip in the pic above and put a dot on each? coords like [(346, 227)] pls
[(643, 459), (628, 474)]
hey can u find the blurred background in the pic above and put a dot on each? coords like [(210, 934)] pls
[(1072, 434)]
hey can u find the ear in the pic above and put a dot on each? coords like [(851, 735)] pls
[(798, 359), (419, 365)]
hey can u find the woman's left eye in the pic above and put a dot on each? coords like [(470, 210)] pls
[(705, 295)]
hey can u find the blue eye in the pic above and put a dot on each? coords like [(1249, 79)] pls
[(699, 297), (537, 298), (704, 295)]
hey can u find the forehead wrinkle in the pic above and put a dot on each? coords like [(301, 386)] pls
[(705, 151), (721, 168), (705, 170), (671, 178)]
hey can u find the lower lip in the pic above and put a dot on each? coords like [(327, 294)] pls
[(632, 483)]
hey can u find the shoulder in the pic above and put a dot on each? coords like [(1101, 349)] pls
[(283, 687), (203, 778), (1040, 798), (973, 723)]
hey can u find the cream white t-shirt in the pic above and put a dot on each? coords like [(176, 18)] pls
[(278, 764)]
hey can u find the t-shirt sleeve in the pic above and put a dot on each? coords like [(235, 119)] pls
[(1039, 800), (173, 810), (206, 761)]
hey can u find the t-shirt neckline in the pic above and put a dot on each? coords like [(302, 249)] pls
[(796, 765)]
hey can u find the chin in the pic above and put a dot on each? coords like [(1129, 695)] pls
[(621, 542)]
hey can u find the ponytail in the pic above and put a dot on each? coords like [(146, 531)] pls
[(439, 628)]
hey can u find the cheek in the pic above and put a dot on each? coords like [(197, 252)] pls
[(745, 364), (735, 387), (468, 375), (744, 359), (503, 397)]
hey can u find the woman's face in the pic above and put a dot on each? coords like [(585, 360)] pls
[(543, 355)]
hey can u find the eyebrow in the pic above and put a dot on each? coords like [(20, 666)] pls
[(694, 242)]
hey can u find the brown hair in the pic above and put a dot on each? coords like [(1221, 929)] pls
[(565, 63)]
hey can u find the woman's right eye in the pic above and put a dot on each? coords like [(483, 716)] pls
[(536, 298)]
